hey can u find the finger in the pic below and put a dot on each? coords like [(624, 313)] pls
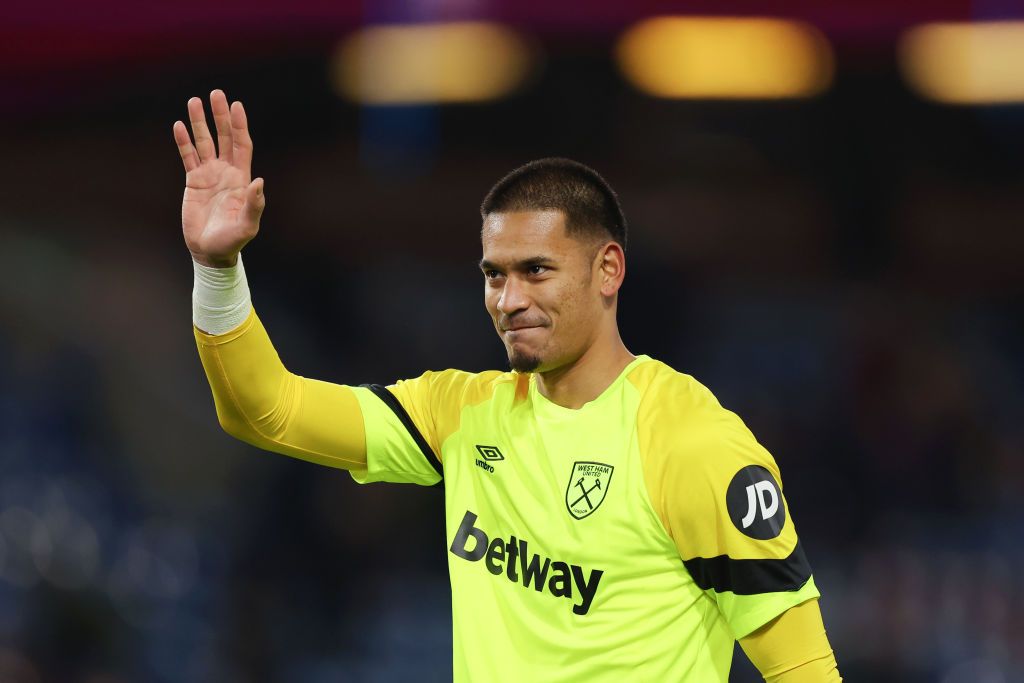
[(200, 131), (242, 152), (255, 200), (185, 148), (222, 119)]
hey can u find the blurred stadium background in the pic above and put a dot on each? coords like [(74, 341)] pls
[(826, 209)]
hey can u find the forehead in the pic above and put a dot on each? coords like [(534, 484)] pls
[(508, 235)]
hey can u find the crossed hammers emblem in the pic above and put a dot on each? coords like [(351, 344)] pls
[(586, 492)]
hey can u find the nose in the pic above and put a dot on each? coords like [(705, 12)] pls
[(513, 297)]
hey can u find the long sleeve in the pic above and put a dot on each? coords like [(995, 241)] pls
[(260, 402), (793, 648)]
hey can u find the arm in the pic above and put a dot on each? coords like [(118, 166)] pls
[(257, 399), (793, 648), (260, 402)]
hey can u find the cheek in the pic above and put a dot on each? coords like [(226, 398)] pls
[(578, 310), (566, 309)]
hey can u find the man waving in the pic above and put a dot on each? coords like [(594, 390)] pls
[(607, 519)]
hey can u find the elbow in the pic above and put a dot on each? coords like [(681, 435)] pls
[(258, 417), (236, 426), (233, 424)]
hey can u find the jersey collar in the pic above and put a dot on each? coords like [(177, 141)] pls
[(544, 404)]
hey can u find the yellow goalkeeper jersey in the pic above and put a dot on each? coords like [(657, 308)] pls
[(635, 538)]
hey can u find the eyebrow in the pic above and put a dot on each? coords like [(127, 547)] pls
[(518, 265)]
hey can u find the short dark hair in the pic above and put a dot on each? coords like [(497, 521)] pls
[(590, 205)]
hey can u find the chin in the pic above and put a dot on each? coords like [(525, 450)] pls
[(523, 362)]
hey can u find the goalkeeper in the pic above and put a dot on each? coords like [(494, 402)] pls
[(607, 519)]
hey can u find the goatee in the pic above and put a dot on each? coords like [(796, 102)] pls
[(521, 362)]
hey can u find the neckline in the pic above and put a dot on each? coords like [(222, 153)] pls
[(545, 403)]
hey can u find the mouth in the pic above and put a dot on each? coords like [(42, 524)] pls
[(512, 333)]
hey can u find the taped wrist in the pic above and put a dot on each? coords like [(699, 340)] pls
[(220, 297)]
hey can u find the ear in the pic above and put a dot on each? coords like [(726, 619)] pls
[(611, 268)]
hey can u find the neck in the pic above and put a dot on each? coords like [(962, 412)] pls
[(583, 380)]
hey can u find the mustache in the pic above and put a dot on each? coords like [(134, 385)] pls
[(506, 323)]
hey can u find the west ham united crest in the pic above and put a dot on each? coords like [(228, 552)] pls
[(588, 485)]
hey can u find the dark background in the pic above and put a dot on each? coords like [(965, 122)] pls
[(844, 272)]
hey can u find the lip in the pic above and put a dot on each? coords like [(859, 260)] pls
[(513, 331)]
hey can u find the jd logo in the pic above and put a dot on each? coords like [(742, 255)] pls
[(755, 503), (760, 492), (588, 486)]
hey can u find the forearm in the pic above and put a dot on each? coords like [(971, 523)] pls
[(793, 648), (821, 670), (259, 401)]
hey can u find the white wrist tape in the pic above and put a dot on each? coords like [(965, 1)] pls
[(220, 297)]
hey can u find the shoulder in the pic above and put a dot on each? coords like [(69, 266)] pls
[(660, 384), (459, 385), (674, 404), (703, 468), (681, 422), (434, 401)]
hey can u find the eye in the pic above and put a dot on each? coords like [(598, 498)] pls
[(537, 270), (491, 274)]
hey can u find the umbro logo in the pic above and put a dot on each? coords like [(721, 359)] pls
[(488, 454)]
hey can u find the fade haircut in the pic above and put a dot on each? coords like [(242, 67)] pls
[(590, 206)]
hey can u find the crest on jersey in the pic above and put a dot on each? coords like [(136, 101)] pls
[(588, 486)]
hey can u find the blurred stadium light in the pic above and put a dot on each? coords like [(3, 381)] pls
[(725, 58), (425, 63), (965, 63)]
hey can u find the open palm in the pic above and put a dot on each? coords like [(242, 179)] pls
[(222, 205)]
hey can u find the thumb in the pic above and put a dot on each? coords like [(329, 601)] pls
[(255, 200)]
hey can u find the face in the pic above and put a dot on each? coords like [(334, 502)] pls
[(543, 288)]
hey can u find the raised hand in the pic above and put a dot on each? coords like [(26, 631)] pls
[(222, 205)]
